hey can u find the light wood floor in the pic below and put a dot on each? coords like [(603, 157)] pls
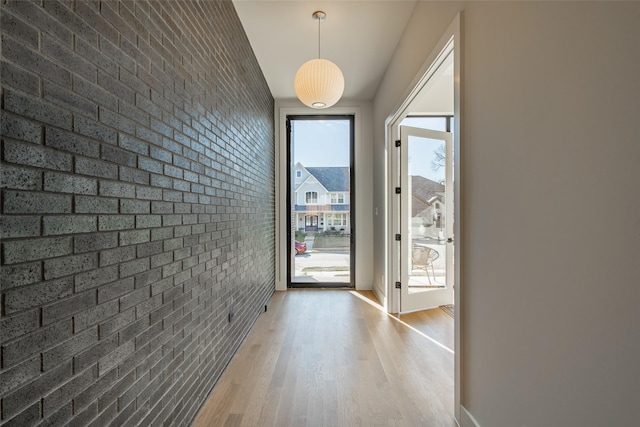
[(334, 358)]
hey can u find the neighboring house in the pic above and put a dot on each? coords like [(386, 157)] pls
[(321, 198), (427, 207)]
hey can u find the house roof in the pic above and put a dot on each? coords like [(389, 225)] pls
[(423, 193), (332, 178)]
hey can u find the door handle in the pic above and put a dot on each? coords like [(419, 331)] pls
[(450, 240)]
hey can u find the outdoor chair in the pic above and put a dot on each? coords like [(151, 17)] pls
[(422, 257)]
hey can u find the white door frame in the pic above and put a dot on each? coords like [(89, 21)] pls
[(450, 42)]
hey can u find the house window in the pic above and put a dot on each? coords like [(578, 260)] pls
[(298, 174), (311, 197), (338, 220), (337, 198)]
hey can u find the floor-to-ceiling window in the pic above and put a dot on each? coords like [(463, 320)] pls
[(321, 201)]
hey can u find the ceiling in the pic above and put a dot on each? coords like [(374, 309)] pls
[(359, 36)]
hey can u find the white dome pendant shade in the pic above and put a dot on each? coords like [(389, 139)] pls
[(319, 83)]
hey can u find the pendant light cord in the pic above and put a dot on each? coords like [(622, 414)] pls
[(319, 19)]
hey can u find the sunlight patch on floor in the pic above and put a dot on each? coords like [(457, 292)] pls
[(397, 319)]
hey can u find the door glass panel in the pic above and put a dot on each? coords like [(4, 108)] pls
[(426, 255), (320, 218), (426, 214)]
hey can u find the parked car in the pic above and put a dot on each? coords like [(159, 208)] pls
[(301, 247)]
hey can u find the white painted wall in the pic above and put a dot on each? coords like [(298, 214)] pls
[(551, 279), (362, 185)]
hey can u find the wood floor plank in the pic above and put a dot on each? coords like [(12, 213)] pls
[(335, 358)]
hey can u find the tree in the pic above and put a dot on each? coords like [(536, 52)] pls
[(438, 161)]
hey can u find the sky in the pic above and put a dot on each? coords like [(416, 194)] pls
[(421, 157), (318, 143), (421, 150)]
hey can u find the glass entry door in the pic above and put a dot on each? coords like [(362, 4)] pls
[(321, 201), (426, 217)]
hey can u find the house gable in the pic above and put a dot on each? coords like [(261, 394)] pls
[(424, 193)]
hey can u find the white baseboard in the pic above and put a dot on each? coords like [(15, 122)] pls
[(380, 295), (466, 419)]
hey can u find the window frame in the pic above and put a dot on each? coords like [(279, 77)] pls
[(311, 193), (350, 196)]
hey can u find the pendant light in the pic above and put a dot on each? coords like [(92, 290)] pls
[(319, 83)]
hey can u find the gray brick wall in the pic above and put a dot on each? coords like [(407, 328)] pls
[(137, 197)]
